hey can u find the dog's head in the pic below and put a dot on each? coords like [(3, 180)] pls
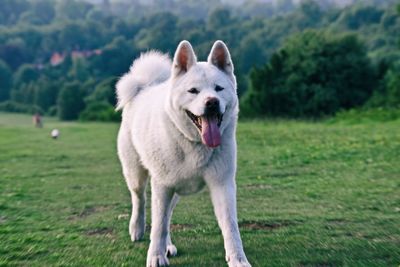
[(203, 93)]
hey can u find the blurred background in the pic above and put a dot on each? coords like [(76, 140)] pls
[(293, 59)]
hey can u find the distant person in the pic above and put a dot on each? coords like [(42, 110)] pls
[(37, 120), (55, 133)]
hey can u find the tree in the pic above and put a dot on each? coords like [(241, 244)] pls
[(70, 102), (104, 92), (388, 94), (313, 74), (153, 36), (79, 70), (115, 58), (99, 111), (310, 14), (357, 16), (24, 93), (5, 81), (25, 74), (73, 9), (219, 17), (46, 92), (14, 52), (284, 5), (393, 88), (11, 10), (42, 12), (73, 36)]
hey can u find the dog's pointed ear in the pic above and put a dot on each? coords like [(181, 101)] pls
[(184, 58), (221, 58)]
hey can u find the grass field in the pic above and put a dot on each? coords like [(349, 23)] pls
[(309, 194)]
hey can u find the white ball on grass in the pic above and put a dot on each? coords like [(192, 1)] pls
[(55, 133)]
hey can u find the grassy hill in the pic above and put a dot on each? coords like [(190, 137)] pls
[(309, 194)]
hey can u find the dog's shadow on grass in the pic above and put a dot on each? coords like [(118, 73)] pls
[(185, 258), (194, 254)]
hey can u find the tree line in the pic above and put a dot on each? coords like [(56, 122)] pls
[(309, 60)]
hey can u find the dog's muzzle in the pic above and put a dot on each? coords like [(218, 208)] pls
[(208, 124)]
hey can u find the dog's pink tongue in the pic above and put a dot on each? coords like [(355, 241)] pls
[(210, 133)]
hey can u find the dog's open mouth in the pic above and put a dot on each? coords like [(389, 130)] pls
[(208, 125)]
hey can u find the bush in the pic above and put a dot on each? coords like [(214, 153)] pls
[(70, 101), (5, 81), (11, 106), (388, 94), (313, 74), (100, 111), (25, 74), (52, 111), (104, 91)]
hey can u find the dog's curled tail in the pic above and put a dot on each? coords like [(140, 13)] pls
[(150, 68)]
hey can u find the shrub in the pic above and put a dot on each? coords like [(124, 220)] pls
[(52, 111), (12, 106), (104, 91), (313, 74), (70, 101), (388, 94), (5, 81), (99, 111)]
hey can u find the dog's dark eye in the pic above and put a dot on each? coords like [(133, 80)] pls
[(218, 88), (193, 91)]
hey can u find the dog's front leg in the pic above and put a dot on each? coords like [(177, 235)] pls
[(223, 196), (160, 202)]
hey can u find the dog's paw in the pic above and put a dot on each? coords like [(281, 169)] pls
[(136, 231), (237, 261), (136, 236), (157, 261), (171, 250)]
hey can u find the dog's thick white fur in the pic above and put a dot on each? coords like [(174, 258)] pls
[(178, 127)]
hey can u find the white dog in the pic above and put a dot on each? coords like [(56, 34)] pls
[(178, 127)]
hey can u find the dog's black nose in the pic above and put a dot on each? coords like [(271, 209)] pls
[(212, 103)]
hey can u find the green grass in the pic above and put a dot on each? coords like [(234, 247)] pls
[(309, 194)]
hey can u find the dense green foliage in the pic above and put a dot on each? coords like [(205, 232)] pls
[(99, 111), (12, 106), (309, 194), (313, 74), (5, 81), (48, 44), (388, 94), (70, 102)]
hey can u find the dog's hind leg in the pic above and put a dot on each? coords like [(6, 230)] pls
[(137, 181), (171, 248), (136, 178)]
